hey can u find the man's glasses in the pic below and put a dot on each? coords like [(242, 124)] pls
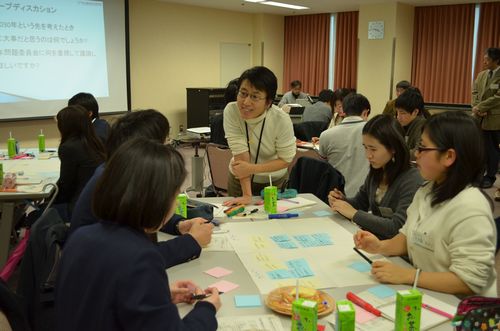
[(253, 97)]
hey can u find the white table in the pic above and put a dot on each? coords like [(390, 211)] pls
[(45, 170), (194, 271)]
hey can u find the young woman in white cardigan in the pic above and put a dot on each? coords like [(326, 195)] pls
[(450, 234)]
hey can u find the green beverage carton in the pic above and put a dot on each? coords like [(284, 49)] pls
[(408, 309), (271, 199), (345, 316), (181, 205), (1, 174), (304, 315), (41, 142), (11, 146)]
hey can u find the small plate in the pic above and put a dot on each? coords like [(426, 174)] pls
[(276, 300)]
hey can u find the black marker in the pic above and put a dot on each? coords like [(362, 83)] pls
[(202, 296), (362, 255)]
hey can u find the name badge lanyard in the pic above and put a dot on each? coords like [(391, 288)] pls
[(258, 146)]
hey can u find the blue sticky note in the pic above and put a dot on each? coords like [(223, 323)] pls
[(243, 301), (287, 245), (321, 213), (322, 238), (299, 268), (280, 238), (280, 274), (382, 291), (360, 266)]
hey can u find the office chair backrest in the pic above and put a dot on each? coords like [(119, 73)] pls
[(218, 161), (306, 130)]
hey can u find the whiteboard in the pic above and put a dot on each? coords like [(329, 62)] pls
[(234, 59)]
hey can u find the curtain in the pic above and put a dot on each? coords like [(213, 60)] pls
[(489, 32), (306, 52), (442, 53), (346, 50)]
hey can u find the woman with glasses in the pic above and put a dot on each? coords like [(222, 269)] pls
[(449, 235), (381, 202), (260, 136)]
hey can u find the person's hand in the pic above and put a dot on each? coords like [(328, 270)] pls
[(387, 272), (244, 200), (481, 114), (214, 297), (185, 226), (183, 290), (335, 194), (242, 169), (475, 110), (367, 241), (344, 208), (315, 140), (201, 232)]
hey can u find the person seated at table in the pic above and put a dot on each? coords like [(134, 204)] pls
[(111, 276), (342, 145), (260, 136), (390, 109), (450, 233), (390, 185), (411, 115), (80, 152), (89, 102), (153, 125), (321, 111), (292, 95)]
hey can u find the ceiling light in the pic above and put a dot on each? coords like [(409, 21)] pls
[(254, 0), (280, 4)]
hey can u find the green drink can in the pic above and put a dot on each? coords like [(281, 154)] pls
[(181, 205), (271, 199), (41, 142)]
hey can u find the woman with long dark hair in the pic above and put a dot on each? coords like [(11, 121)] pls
[(80, 152)]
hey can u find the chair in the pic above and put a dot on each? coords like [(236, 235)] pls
[(306, 130), (310, 175), (218, 162), (303, 152), (217, 134)]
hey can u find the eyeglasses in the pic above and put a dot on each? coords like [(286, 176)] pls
[(253, 97), (422, 149)]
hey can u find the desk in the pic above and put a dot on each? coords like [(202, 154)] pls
[(46, 170), (209, 259)]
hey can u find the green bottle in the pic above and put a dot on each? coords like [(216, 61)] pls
[(1, 173), (11, 146), (41, 142)]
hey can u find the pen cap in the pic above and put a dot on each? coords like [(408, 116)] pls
[(271, 199)]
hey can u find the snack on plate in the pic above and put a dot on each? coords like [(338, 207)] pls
[(281, 299)]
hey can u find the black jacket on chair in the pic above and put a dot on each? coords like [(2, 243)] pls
[(38, 270), (315, 176)]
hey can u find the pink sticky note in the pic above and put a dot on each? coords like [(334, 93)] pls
[(282, 209), (224, 286), (218, 272), (363, 316)]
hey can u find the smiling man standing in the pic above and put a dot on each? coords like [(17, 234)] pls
[(486, 107), (260, 136)]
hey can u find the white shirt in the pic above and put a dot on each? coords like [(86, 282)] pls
[(458, 235)]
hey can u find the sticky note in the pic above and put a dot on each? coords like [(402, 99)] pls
[(280, 274), (382, 291), (360, 266), (363, 316), (287, 245), (299, 268), (218, 272), (224, 286), (243, 301), (321, 213), (280, 238)]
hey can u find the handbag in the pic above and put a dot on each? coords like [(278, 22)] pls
[(478, 313)]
